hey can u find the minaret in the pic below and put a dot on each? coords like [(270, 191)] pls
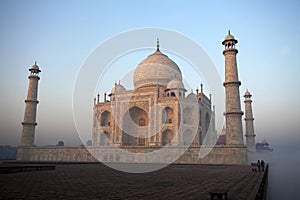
[(29, 122), (250, 136), (234, 131)]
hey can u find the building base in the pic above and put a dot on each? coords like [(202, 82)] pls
[(219, 154)]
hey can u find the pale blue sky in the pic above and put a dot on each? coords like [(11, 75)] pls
[(61, 34)]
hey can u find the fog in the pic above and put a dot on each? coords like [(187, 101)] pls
[(284, 173)]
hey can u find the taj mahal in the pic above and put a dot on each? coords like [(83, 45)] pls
[(157, 81), (158, 113)]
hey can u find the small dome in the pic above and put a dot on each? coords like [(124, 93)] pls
[(118, 89), (192, 95), (229, 37), (157, 68), (35, 68), (247, 94), (175, 84)]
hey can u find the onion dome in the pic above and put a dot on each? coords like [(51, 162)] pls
[(175, 84), (156, 69), (192, 95), (229, 37), (118, 89), (35, 68), (247, 94)]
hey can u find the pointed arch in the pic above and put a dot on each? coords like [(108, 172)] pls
[(200, 138), (167, 136), (105, 118), (187, 115), (167, 115), (207, 121), (200, 118), (187, 137), (135, 121), (104, 138)]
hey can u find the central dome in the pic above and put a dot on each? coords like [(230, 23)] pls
[(157, 68)]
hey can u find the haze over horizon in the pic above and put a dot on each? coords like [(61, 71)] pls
[(61, 34)]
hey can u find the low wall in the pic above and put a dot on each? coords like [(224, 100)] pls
[(219, 154)]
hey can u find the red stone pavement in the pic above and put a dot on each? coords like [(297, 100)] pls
[(97, 181)]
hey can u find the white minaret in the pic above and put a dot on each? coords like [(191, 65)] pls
[(250, 136), (233, 114), (29, 122)]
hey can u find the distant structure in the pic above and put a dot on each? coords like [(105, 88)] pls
[(222, 137), (157, 81), (8, 152), (263, 146), (250, 136), (233, 114)]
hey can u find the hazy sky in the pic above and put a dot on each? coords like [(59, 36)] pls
[(61, 34)]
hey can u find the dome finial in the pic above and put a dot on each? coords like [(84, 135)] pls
[(157, 44), (34, 62), (228, 31)]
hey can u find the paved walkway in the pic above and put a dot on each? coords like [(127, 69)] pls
[(96, 181)]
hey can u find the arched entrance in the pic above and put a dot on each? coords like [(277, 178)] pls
[(134, 127), (207, 121), (167, 115), (167, 137), (105, 118), (187, 116), (187, 137), (104, 138)]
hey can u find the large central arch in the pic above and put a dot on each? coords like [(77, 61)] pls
[(134, 127)]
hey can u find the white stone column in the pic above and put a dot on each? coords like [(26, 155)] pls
[(31, 101), (250, 136), (234, 131)]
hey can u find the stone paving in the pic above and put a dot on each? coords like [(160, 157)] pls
[(97, 181)]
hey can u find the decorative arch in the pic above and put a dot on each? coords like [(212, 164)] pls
[(137, 115), (135, 121), (187, 115), (187, 137), (207, 121), (105, 118), (167, 115), (167, 136), (104, 138), (200, 138), (200, 118)]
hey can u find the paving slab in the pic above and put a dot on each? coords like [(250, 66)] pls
[(97, 181)]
